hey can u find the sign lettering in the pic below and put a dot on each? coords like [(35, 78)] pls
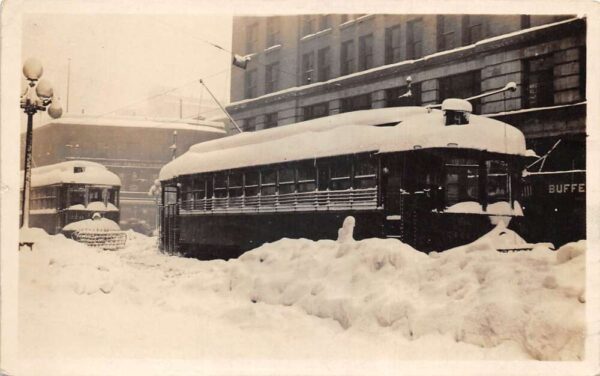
[(566, 188)]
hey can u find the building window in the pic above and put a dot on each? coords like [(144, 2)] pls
[(358, 102), (250, 84), (344, 18), (251, 38), (472, 29), (324, 64), (272, 77), (324, 22), (525, 22), (308, 67), (462, 86), (347, 57), (414, 39), (308, 25), (250, 124), (396, 97), (273, 31), (447, 32), (271, 120), (539, 82), (316, 111), (392, 44), (365, 52)]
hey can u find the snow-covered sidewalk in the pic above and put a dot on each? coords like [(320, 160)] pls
[(298, 300)]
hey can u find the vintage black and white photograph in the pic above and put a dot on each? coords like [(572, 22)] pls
[(305, 189)]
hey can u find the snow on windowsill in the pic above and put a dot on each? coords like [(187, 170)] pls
[(347, 23), (318, 33), (272, 48)]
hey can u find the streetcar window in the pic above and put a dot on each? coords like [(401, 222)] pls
[(286, 180), (220, 189), (462, 181), (235, 184), (76, 196), (94, 194), (268, 181), (306, 177), (340, 172), (199, 189), (497, 183), (251, 183), (365, 171), (112, 196)]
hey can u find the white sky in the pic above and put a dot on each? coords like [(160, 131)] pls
[(118, 60)]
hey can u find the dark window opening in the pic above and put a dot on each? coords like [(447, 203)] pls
[(271, 120), (308, 68), (251, 183), (414, 39), (462, 181), (392, 44), (250, 84), (324, 64), (365, 173), (356, 103), (309, 25), (340, 175), (251, 38), (365, 52), (472, 29), (447, 32), (268, 182), (272, 77), (250, 124), (462, 86), (347, 57), (316, 111), (286, 180), (539, 82), (497, 181), (273, 31)]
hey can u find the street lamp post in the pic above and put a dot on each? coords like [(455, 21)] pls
[(32, 101)]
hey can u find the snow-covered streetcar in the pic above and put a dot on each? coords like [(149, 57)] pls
[(72, 191), (431, 178)]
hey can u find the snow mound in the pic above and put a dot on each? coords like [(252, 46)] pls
[(472, 293)]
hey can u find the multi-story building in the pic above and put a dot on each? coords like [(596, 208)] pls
[(303, 67), (132, 148)]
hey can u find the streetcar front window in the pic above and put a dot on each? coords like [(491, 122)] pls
[(112, 197), (76, 196), (462, 181), (95, 194)]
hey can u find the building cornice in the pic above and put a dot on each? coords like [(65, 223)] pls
[(520, 38)]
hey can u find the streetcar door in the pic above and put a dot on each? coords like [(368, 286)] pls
[(170, 214)]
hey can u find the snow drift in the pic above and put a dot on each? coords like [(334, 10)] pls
[(302, 299)]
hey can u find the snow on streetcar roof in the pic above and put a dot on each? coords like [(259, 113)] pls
[(64, 172), (348, 133), (136, 122)]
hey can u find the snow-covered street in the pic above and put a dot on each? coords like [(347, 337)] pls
[(370, 300)]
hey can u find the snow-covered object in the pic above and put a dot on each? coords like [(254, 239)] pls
[(347, 133), (455, 104), (500, 208), (65, 172), (346, 232), (94, 224)]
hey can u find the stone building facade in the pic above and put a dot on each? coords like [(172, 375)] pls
[(135, 149), (308, 66)]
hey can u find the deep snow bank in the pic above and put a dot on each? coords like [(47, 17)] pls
[(474, 293), (370, 298)]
